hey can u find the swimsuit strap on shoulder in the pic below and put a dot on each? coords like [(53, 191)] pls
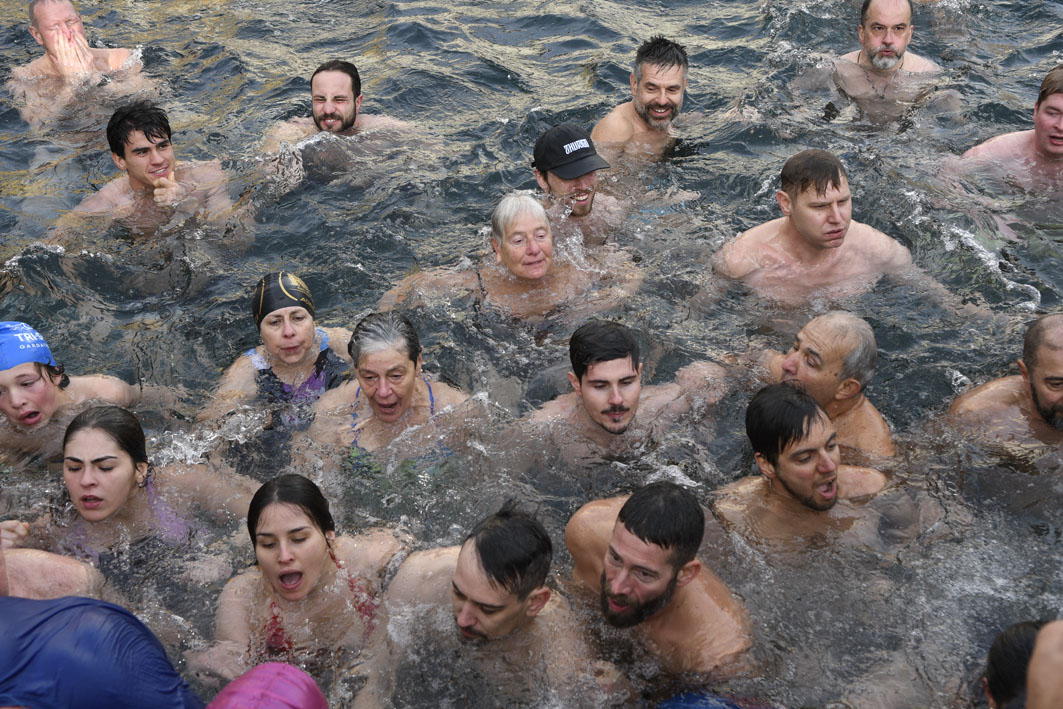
[(431, 398)]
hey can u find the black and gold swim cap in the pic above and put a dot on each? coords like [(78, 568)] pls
[(277, 290)]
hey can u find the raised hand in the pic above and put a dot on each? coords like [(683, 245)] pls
[(72, 56), (12, 532), (168, 191)]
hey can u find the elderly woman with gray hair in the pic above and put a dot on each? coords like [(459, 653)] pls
[(389, 393), (523, 275)]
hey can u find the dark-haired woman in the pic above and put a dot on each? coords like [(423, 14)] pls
[(311, 592), (119, 497)]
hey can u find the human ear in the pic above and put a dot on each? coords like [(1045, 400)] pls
[(141, 473), (849, 387), (784, 201), (634, 84), (688, 573), (766, 468), (574, 382), (537, 600), (1023, 370), (495, 246), (541, 179), (118, 160)]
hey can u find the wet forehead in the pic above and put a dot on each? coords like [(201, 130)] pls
[(50, 12), (636, 552), (136, 139), (832, 193), (826, 340), (663, 75), (819, 433), (889, 13), (384, 361), (1049, 362), (332, 83), (473, 582), (612, 370), (526, 222)]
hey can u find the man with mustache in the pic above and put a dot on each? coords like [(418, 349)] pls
[(490, 595), (335, 101), (639, 555), (606, 378), (1029, 158), (877, 70), (566, 167), (1027, 407), (796, 449), (641, 126)]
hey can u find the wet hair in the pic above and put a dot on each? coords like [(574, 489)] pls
[(661, 52), (601, 341), (778, 415), (514, 550), (509, 208), (667, 515), (33, 10), (122, 426), (859, 362), (47, 370), (292, 490), (1052, 84), (811, 168), (1045, 331), (381, 331), (1008, 659), (143, 116), (867, 8), (347, 68)]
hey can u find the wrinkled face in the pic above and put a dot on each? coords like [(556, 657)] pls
[(288, 334), (577, 194), (610, 393), (483, 611), (638, 579), (292, 552), (334, 105), (99, 475), (527, 249), (1048, 126), (27, 397), (658, 95), (822, 220), (1045, 380), (886, 33), (146, 160), (389, 380), (816, 360), (807, 469), (55, 19)]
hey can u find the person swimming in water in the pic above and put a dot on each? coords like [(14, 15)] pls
[(119, 497), (297, 361), (389, 394), (310, 592), (524, 278), (38, 399), (53, 86)]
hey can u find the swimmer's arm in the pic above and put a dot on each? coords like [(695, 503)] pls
[(227, 658), (586, 536), (611, 133), (706, 380), (212, 185), (731, 261), (222, 494), (338, 338), (236, 387), (435, 282)]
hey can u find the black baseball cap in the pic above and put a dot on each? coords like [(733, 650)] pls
[(567, 151)]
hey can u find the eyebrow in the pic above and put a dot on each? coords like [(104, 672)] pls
[(94, 460), (798, 453), (652, 572), (290, 531), (485, 606)]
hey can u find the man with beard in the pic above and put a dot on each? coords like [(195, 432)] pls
[(490, 595), (1026, 408), (877, 70), (795, 447), (639, 554), (833, 357), (335, 100), (566, 167), (606, 378), (815, 245), (641, 126)]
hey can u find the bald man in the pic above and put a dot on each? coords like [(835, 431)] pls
[(1023, 408), (834, 358)]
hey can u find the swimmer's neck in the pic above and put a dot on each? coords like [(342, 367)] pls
[(837, 408)]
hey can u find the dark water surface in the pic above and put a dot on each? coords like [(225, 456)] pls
[(904, 626)]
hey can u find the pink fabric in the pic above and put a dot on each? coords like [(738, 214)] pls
[(274, 685)]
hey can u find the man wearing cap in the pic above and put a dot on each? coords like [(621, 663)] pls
[(566, 167), (34, 390)]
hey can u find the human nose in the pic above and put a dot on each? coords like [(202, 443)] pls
[(835, 213), (618, 585), (466, 618), (289, 328), (87, 478), (826, 463), (789, 363), (614, 396), (284, 552), (533, 247), (383, 389)]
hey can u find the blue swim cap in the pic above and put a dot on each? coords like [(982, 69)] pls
[(20, 343)]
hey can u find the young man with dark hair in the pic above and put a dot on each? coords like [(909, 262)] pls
[(1022, 408), (796, 450), (156, 186), (335, 105), (639, 555), (502, 611), (607, 394), (815, 244), (1033, 158), (70, 68), (658, 82)]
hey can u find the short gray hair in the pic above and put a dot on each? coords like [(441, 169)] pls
[(859, 362), (33, 10), (383, 331), (509, 207)]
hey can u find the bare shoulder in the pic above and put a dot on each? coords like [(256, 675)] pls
[(858, 482), (378, 122), (446, 395), (239, 588), (290, 131), (371, 550), (433, 282), (338, 338), (590, 527), (101, 386), (740, 256), (614, 128), (990, 397), (878, 248), (1007, 145), (561, 407), (336, 401), (424, 575), (116, 58), (107, 197), (919, 65), (853, 56), (206, 171)]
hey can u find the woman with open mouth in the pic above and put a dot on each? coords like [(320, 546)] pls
[(312, 594), (297, 361), (390, 393), (120, 498), (521, 275)]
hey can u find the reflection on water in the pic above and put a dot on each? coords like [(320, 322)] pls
[(903, 622)]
